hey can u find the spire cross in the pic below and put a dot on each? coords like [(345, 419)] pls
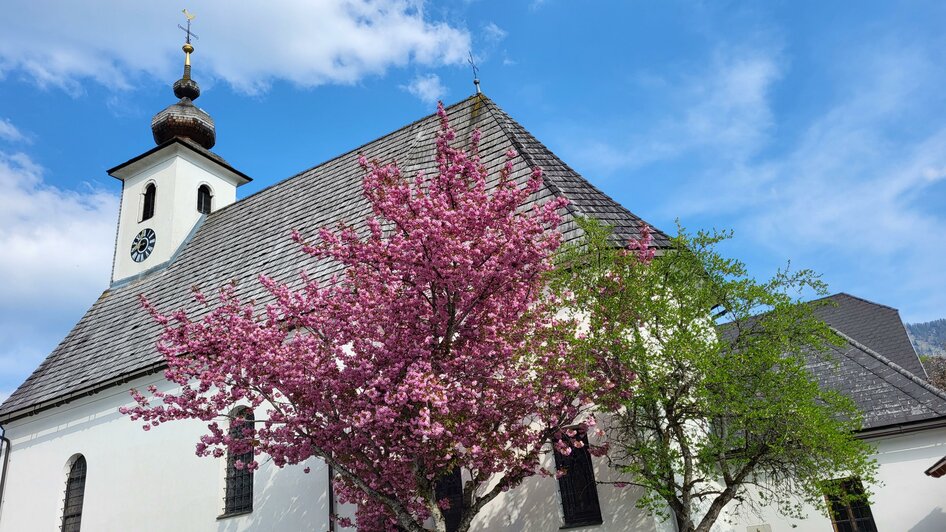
[(187, 30), (476, 72)]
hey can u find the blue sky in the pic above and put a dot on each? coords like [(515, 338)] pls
[(815, 130)]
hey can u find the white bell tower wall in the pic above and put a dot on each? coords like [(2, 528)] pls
[(177, 171)]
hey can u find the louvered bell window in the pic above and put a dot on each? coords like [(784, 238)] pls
[(238, 498), (450, 487), (75, 494), (203, 199), (147, 210), (851, 515), (577, 487)]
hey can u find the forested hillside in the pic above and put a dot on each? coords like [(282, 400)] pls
[(928, 338)]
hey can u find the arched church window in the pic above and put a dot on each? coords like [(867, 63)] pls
[(148, 209), (238, 498), (75, 494), (203, 199)]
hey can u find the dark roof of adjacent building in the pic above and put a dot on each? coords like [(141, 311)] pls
[(886, 393), (115, 340), (875, 365), (874, 325)]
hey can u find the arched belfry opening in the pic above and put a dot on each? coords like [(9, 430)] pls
[(204, 199), (147, 209)]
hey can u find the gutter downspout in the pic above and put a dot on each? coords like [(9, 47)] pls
[(7, 447), (331, 498)]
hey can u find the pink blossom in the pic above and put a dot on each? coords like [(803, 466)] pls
[(437, 348)]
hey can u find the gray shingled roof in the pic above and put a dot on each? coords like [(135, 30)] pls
[(885, 392), (877, 326), (114, 341), (873, 365)]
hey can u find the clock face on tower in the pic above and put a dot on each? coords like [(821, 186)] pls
[(142, 245)]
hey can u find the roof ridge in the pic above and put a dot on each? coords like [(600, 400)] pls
[(894, 366), (852, 296), (504, 120), (526, 154)]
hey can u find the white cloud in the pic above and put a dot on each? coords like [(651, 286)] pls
[(723, 108), (247, 44), (849, 190), (493, 33), (56, 256), (428, 88), (10, 133)]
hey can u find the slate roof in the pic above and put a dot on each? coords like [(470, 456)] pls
[(886, 393), (876, 365), (114, 341), (877, 326)]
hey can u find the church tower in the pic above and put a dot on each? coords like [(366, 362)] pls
[(168, 190)]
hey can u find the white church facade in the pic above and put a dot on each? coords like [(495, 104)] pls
[(71, 461)]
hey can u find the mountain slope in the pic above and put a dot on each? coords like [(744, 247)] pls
[(928, 338)]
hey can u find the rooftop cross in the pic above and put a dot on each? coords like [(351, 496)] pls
[(187, 30), (476, 73)]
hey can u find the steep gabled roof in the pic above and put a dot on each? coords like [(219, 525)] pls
[(877, 326), (872, 366), (115, 340)]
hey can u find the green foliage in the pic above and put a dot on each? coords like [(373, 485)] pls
[(706, 372)]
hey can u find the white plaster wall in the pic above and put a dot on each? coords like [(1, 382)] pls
[(535, 506), (146, 481), (905, 500), (177, 174), (143, 481)]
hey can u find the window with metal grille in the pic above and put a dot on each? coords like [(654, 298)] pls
[(75, 494), (852, 513), (576, 485), (238, 498), (203, 199), (450, 487), (147, 210)]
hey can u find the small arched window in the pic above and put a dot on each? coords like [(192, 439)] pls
[(148, 209), (75, 494), (238, 498), (203, 199)]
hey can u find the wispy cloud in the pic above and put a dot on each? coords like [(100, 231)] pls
[(246, 44), (493, 33), (723, 108), (57, 251), (847, 189), (427, 88), (10, 133)]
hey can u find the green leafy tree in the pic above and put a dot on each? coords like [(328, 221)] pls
[(707, 415)]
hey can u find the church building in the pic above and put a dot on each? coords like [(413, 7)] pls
[(70, 461)]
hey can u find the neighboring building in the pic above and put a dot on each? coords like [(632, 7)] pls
[(75, 461), (904, 418)]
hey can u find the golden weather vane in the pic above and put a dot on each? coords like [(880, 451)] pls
[(187, 30)]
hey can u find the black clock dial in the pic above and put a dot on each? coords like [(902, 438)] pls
[(143, 244)]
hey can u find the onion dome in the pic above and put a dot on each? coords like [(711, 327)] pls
[(184, 119)]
